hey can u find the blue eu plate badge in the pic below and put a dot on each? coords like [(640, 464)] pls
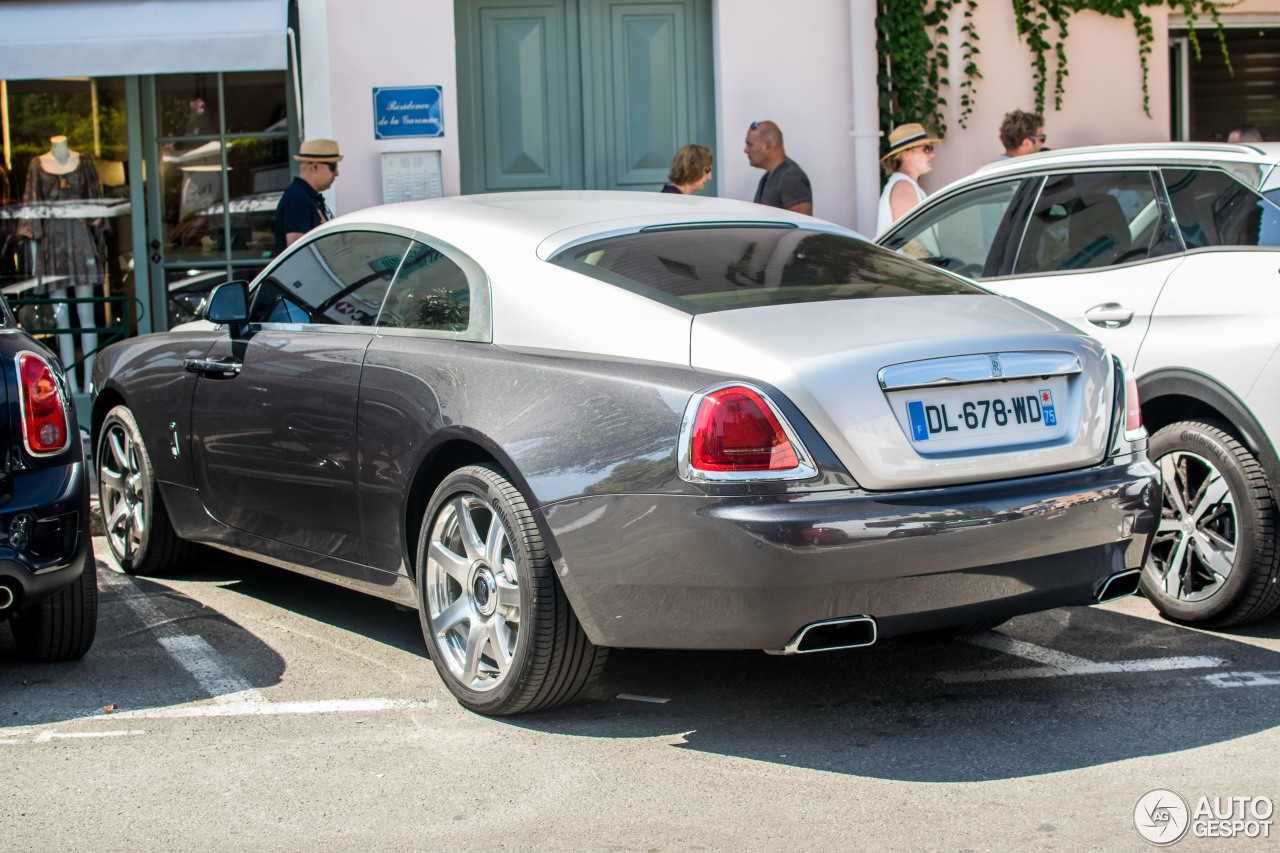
[(919, 424)]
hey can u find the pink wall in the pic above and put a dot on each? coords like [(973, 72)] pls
[(384, 43), (789, 64), (1103, 99)]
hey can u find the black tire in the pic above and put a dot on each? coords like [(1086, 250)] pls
[(62, 626), (498, 578), (138, 531), (1216, 563)]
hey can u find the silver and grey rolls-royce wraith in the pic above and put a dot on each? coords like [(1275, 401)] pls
[(560, 422)]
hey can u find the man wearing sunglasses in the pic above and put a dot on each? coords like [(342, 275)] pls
[(1021, 133), (784, 183), (302, 208)]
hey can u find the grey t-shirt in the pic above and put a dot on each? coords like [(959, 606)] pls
[(785, 187)]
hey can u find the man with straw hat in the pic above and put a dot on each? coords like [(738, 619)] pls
[(302, 208), (910, 155)]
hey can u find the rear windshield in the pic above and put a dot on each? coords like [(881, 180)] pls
[(718, 268)]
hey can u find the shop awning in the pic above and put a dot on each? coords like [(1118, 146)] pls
[(101, 38)]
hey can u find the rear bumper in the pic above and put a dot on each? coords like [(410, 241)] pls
[(44, 532), (674, 571)]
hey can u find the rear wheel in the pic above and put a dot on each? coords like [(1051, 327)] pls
[(62, 626), (139, 533), (501, 632), (1214, 559)]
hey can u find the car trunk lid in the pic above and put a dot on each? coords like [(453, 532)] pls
[(924, 391)]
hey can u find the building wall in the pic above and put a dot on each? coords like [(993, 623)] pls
[(1102, 102), (790, 65), (367, 44)]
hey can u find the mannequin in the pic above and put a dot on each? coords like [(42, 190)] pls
[(67, 252)]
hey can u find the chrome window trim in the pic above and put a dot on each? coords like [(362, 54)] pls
[(976, 368), (805, 470)]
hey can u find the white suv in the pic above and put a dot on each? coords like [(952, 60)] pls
[(1170, 255)]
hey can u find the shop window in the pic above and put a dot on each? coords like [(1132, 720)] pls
[(66, 264)]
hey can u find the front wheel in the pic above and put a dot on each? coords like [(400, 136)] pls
[(1214, 559), (499, 627), (139, 534)]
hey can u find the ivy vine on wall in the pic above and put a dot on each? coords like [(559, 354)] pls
[(912, 40)]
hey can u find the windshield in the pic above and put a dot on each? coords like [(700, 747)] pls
[(717, 268)]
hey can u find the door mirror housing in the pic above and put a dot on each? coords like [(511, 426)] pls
[(229, 305)]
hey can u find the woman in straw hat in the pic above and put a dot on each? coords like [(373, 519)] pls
[(910, 156)]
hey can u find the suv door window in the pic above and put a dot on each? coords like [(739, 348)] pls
[(1214, 209), (957, 234), (339, 278), (1095, 219)]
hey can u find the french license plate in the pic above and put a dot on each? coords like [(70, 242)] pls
[(977, 412)]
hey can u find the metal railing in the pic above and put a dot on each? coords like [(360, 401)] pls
[(121, 316)]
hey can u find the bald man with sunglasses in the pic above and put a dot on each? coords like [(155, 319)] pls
[(784, 184)]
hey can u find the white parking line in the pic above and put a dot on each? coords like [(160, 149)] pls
[(1059, 663), (1244, 679), (264, 708), (193, 653), (45, 737)]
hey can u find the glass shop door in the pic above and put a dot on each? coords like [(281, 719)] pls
[(219, 146)]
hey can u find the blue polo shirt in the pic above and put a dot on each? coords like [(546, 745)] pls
[(301, 208)]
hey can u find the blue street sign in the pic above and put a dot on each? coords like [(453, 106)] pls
[(400, 111)]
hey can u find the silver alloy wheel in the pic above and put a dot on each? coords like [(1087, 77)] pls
[(1195, 545), (121, 488), (473, 591)]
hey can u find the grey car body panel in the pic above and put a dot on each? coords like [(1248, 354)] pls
[(825, 357), (729, 572), (580, 398)]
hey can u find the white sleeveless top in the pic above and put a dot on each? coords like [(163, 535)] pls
[(884, 214)]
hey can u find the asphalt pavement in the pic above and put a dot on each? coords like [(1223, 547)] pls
[(241, 707)]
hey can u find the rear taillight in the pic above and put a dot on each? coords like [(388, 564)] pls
[(735, 433), (44, 412)]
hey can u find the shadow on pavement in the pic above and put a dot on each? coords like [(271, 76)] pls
[(890, 714), (127, 666), (325, 602)]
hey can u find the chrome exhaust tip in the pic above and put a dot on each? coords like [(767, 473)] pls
[(6, 597), (1119, 585), (851, 633)]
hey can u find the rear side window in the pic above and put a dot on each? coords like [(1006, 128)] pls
[(338, 278), (699, 269), (1095, 219), (1214, 209), (430, 292)]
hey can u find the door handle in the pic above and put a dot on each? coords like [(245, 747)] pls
[(1109, 315), (218, 367)]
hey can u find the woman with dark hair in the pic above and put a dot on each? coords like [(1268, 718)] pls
[(690, 170)]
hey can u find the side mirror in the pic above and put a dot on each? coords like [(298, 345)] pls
[(228, 305)]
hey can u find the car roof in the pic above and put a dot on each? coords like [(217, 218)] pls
[(552, 220), (1265, 154)]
